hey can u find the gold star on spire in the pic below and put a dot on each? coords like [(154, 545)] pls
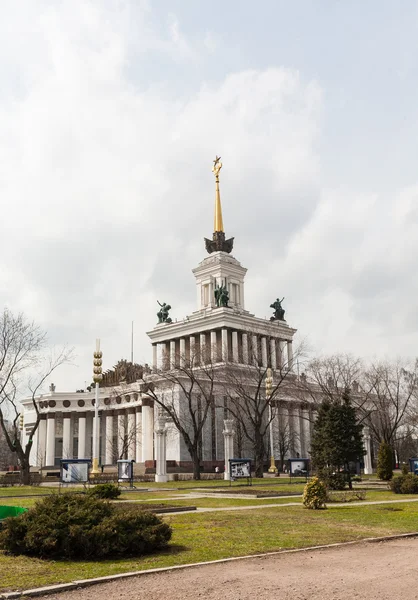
[(217, 166)]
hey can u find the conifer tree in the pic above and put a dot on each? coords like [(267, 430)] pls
[(337, 437)]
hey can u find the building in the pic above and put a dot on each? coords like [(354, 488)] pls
[(221, 333)]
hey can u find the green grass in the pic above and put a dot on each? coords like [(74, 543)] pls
[(215, 535)]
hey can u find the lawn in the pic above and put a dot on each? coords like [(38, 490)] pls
[(215, 535)]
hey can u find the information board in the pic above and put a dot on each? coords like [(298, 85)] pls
[(75, 470), (240, 468), (125, 471)]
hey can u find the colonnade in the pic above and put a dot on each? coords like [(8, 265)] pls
[(223, 345), (124, 432)]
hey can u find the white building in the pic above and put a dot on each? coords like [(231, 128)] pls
[(230, 337)]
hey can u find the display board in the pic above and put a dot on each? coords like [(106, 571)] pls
[(413, 465), (298, 467), (125, 471), (240, 468), (75, 470)]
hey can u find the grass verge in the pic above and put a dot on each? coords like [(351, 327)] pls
[(216, 535)]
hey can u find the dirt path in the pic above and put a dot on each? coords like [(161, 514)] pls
[(367, 571)]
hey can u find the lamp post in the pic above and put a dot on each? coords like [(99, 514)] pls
[(269, 386), (97, 377)]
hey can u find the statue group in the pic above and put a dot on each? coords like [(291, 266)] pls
[(279, 311), (162, 314), (221, 294)]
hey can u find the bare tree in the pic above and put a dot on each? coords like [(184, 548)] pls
[(185, 394), (384, 393), (22, 344), (7, 458), (245, 389)]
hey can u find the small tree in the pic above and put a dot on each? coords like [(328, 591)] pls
[(385, 462), (337, 437)]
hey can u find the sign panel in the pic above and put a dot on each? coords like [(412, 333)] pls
[(75, 470), (413, 465), (239, 468), (125, 470), (298, 467)]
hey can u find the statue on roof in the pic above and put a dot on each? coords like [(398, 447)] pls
[(279, 311), (221, 294), (162, 314)]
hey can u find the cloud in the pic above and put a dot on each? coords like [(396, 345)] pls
[(106, 144)]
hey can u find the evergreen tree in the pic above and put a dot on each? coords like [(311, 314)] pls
[(385, 462), (337, 437)]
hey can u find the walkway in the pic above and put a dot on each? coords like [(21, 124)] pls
[(364, 571)]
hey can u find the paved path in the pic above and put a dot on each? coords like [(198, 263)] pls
[(365, 571)]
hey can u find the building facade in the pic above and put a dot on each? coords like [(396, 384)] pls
[(221, 333)]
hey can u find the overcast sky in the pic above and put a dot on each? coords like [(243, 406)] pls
[(111, 113)]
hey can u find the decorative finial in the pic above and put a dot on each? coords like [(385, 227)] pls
[(217, 166), (218, 243)]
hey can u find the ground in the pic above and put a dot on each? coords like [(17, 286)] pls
[(364, 571)]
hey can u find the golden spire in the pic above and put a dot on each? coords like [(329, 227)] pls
[(217, 166)]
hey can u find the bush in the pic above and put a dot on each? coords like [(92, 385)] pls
[(106, 491), (405, 484), (356, 478), (385, 462), (74, 526), (315, 494)]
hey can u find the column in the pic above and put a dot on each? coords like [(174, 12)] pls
[(81, 435), (368, 467), (66, 436), (283, 440), (254, 350), (213, 347), (290, 355), (282, 359), (202, 349), (245, 348), (211, 302), (235, 358), (225, 352), (228, 434), (182, 352), (109, 457), (147, 431), (294, 424), (165, 362), (50, 440), (161, 451), (121, 449), (306, 424), (154, 357), (131, 441), (273, 356), (40, 458), (172, 354), (192, 353), (138, 420), (264, 352)]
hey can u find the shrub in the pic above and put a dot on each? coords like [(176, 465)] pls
[(385, 462), (106, 491), (315, 494), (333, 480), (74, 526), (405, 469), (356, 478), (405, 484)]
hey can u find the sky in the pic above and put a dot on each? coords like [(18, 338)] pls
[(111, 113)]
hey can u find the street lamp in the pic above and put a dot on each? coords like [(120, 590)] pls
[(97, 377), (269, 386)]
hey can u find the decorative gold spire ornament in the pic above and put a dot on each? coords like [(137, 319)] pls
[(217, 166), (218, 243)]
